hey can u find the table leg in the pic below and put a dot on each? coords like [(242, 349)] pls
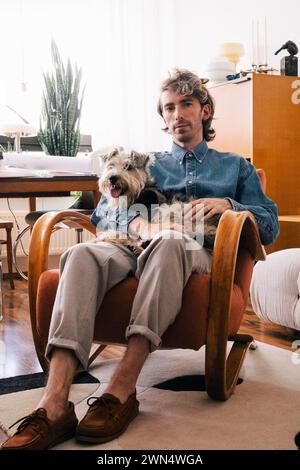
[(97, 196), (32, 204)]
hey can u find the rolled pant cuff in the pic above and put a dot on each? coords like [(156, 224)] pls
[(155, 340), (80, 353)]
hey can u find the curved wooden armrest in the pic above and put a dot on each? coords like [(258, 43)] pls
[(235, 229), (39, 248)]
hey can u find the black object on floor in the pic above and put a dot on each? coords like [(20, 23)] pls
[(186, 383), (297, 440), (31, 381)]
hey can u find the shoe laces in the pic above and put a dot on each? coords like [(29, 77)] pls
[(29, 419), (94, 402)]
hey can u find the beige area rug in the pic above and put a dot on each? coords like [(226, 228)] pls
[(264, 412), (15, 405)]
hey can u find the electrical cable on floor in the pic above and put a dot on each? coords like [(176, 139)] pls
[(17, 225)]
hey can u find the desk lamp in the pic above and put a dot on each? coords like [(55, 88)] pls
[(232, 51), (17, 131)]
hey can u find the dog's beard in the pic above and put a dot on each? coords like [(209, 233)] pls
[(116, 190), (112, 191)]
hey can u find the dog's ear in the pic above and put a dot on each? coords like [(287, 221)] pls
[(114, 152), (141, 160), (106, 156)]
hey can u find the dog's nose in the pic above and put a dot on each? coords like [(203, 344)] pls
[(113, 179)]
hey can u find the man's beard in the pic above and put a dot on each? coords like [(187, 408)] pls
[(186, 137)]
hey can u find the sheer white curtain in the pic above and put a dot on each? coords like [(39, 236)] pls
[(125, 48), (132, 49)]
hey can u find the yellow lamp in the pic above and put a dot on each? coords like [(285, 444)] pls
[(232, 51)]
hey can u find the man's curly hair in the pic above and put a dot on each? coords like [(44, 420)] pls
[(183, 82)]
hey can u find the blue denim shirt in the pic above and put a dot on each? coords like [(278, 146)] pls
[(204, 173)]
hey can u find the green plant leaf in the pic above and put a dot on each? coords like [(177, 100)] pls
[(61, 107)]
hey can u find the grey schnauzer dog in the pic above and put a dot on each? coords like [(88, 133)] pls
[(126, 182)]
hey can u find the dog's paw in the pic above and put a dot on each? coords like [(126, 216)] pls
[(108, 235)]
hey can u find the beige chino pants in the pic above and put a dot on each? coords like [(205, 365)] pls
[(89, 270)]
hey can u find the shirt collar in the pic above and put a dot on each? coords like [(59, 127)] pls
[(198, 152)]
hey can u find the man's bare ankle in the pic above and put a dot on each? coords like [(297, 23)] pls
[(120, 392), (55, 409)]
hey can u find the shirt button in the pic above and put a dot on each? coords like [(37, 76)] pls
[(189, 182), (190, 172), (200, 161)]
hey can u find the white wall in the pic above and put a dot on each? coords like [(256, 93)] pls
[(125, 48)]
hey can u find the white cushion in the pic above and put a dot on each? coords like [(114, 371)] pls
[(275, 288)]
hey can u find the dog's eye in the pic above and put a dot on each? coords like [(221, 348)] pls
[(128, 167)]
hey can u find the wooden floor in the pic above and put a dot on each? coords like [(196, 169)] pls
[(17, 354)]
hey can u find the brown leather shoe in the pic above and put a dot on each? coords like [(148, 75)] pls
[(107, 418), (37, 432)]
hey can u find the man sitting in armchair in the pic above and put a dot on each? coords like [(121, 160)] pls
[(218, 181)]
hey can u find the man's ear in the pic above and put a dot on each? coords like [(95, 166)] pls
[(206, 112), (166, 128)]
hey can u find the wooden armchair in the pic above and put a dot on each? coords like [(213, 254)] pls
[(212, 305)]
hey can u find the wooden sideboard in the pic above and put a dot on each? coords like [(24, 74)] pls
[(258, 119)]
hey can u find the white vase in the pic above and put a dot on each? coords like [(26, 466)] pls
[(217, 69)]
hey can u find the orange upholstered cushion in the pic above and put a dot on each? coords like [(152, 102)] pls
[(189, 328)]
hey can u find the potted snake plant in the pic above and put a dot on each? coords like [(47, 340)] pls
[(59, 132)]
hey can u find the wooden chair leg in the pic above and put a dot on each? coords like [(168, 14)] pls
[(96, 350), (222, 374), (79, 235), (9, 257), (1, 292)]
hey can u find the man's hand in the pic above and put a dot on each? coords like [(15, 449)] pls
[(147, 230), (205, 208)]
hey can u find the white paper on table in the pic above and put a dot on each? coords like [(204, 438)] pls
[(6, 172), (41, 161)]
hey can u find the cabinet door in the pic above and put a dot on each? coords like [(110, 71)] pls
[(276, 139), (233, 118)]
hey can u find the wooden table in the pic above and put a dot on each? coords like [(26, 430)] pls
[(21, 183)]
